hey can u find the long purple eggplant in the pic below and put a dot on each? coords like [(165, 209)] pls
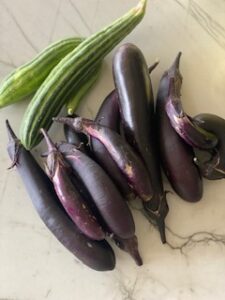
[(109, 115), (98, 255), (129, 245), (76, 207), (183, 124), (120, 151), (211, 162), (109, 202), (132, 81), (176, 156)]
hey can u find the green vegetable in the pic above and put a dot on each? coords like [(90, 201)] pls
[(50, 98), (79, 94), (26, 79)]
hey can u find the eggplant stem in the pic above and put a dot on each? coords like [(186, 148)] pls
[(49, 142), (15, 142), (153, 66)]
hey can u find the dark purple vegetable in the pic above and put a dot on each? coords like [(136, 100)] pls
[(176, 156), (108, 200), (76, 138), (121, 152), (109, 115), (76, 207), (132, 81), (98, 255), (212, 162), (130, 246), (188, 130)]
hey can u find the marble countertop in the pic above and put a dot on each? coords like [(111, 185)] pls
[(33, 265)]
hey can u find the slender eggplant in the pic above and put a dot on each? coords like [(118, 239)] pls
[(120, 151), (98, 255), (188, 130), (212, 162), (109, 202), (109, 115), (176, 156), (132, 81), (129, 245), (76, 138), (76, 207)]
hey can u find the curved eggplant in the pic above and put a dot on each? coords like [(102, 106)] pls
[(98, 255), (60, 174), (121, 152), (109, 115), (212, 162), (183, 124), (176, 156)]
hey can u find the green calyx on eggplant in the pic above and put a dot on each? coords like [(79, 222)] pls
[(211, 162), (183, 124)]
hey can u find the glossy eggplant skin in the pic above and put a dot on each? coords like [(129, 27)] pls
[(132, 81), (74, 204), (97, 255), (78, 139), (175, 155), (109, 202), (121, 152), (109, 116), (212, 163)]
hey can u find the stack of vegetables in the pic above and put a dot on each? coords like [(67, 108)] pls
[(89, 179)]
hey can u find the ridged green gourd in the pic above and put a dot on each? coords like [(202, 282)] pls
[(26, 79), (50, 97)]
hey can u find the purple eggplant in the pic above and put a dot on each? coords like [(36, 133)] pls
[(120, 151), (188, 130), (76, 207), (211, 162), (78, 139), (109, 115), (98, 255), (109, 202), (132, 81), (176, 156)]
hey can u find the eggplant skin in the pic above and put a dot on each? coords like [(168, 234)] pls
[(177, 161), (97, 255), (109, 202), (212, 163), (109, 115), (177, 158)]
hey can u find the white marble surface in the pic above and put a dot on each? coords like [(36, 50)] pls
[(33, 265)]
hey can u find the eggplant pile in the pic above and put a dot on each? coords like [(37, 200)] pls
[(83, 195)]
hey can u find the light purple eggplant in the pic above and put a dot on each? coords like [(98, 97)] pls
[(183, 124), (76, 207)]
